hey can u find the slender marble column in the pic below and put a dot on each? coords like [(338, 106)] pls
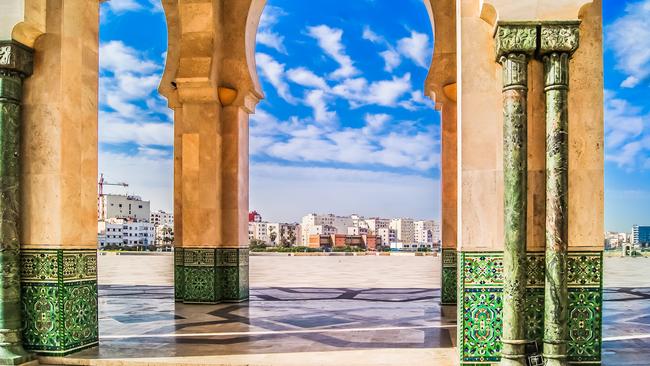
[(15, 64), (516, 42), (558, 41)]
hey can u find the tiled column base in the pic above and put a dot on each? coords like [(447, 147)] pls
[(449, 277), (59, 300), (211, 275), (480, 306)]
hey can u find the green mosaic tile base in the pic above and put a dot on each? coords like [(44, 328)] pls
[(480, 304), (449, 278), (59, 300), (211, 275)]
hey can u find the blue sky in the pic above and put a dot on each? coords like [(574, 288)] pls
[(345, 127)]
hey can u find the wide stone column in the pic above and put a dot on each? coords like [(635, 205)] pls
[(59, 183), (16, 62), (515, 43), (211, 202), (558, 42)]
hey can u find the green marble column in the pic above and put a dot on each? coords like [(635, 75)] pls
[(15, 64), (558, 41), (516, 42)]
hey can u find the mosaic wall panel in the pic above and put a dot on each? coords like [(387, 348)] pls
[(179, 274), (59, 300), (480, 302), (449, 277), (211, 275)]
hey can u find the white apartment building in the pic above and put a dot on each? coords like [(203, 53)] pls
[(387, 235), (258, 231), (109, 233), (125, 233), (404, 229), (161, 217), (313, 224), (426, 231), (375, 224), (123, 207)]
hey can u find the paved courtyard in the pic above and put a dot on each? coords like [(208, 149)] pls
[(321, 311)]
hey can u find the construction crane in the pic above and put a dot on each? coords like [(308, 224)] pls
[(103, 183)]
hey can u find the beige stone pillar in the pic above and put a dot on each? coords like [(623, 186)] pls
[(211, 202), (449, 194), (59, 180)]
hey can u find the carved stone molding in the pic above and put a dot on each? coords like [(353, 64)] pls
[(16, 58), (559, 37), (516, 37)]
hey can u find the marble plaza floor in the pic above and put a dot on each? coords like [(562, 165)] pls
[(320, 311)]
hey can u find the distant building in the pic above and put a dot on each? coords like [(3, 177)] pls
[(161, 217), (328, 242), (123, 233), (258, 231), (426, 231), (387, 235), (123, 207), (404, 229), (641, 235), (376, 224), (314, 224), (253, 216)]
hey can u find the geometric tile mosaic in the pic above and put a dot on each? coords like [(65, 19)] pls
[(59, 300), (211, 275), (449, 278), (480, 305)]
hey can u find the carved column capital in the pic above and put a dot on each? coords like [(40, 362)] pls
[(516, 37), (559, 37), (16, 58)]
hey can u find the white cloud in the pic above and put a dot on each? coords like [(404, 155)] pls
[(131, 111), (115, 56), (629, 39), (115, 130), (330, 40), (416, 47), (274, 72), (120, 6), (265, 35), (407, 146), (383, 92), (392, 59), (627, 138), (417, 101), (341, 191), (387, 92), (124, 6), (271, 39), (149, 174), (307, 78), (317, 100), (371, 36), (156, 6)]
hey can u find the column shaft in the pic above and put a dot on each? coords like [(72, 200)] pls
[(515, 43), (558, 40), (557, 182), (15, 63), (515, 169)]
